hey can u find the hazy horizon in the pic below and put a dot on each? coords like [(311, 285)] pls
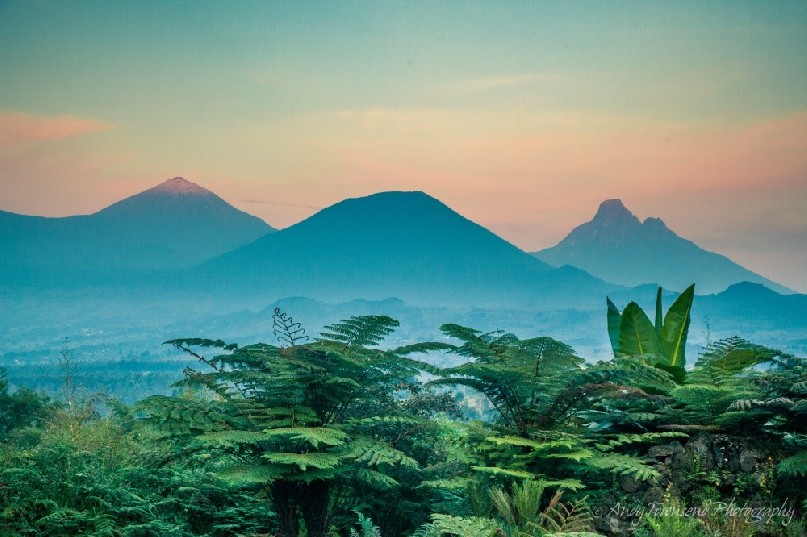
[(522, 117)]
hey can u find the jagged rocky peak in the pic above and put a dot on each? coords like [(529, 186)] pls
[(614, 210), (181, 187), (655, 224)]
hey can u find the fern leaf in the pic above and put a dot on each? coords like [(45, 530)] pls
[(245, 474), (495, 470), (624, 465), (313, 436), (370, 452), (376, 479), (361, 331), (304, 461), (459, 526), (795, 465)]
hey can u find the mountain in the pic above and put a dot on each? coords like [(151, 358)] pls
[(617, 247), (175, 224), (403, 244)]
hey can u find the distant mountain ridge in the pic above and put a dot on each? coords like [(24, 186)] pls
[(172, 225), (404, 244), (619, 248)]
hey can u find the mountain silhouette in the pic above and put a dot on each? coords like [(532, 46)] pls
[(403, 244), (175, 224), (618, 247)]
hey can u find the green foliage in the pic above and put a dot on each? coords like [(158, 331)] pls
[(338, 437), (621, 440), (675, 329), (361, 331), (23, 408), (460, 526), (670, 522), (287, 332), (625, 465), (741, 386), (529, 382), (663, 344), (523, 506), (366, 528), (319, 423), (795, 465), (637, 336), (84, 475), (571, 519)]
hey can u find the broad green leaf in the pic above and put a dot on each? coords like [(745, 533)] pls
[(637, 337), (658, 312), (676, 327), (614, 320)]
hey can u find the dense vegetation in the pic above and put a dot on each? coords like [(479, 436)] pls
[(339, 436)]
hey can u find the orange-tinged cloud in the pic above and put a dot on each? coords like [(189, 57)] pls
[(16, 128)]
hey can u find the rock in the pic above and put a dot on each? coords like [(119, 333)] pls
[(749, 460), (630, 485), (660, 451)]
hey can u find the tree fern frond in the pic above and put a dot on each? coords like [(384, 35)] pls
[(495, 470), (313, 436), (624, 465), (375, 479), (248, 473), (366, 527), (371, 452), (232, 438), (304, 461), (795, 465), (442, 525), (641, 438), (424, 347), (565, 518), (361, 331), (534, 445), (286, 330)]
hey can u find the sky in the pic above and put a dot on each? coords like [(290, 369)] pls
[(522, 116)]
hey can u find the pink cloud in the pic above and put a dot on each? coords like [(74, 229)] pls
[(16, 128)]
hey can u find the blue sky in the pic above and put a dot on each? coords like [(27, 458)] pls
[(522, 116)]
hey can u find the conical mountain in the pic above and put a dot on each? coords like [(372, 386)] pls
[(618, 247), (403, 244), (175, 224)]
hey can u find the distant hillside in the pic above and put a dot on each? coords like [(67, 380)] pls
[(617, 247), (755, 303), (175, 224), (404, 244)]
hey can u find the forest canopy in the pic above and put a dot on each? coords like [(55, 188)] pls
[(340, 435)]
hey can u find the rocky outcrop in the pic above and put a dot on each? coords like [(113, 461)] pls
[(705, 470)]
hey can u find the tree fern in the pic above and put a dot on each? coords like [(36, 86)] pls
[(366, 527), (442, 525), (287, 332), (566, 518), (314, 420), (795, 465), (625, 465), (361, 331)]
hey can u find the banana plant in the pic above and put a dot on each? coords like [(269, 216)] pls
[(663, 343)]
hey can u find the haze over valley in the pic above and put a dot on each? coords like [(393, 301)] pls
[(177, 259)]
